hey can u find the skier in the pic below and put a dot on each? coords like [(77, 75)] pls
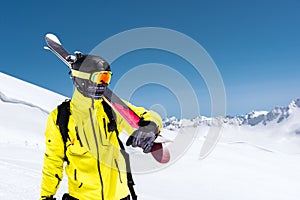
[(96, 165)]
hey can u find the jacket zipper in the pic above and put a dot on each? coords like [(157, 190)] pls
[(104, 124), (75, 178), (98, 156), (117, 165), (101, 134), (86, 139), (77, 135)]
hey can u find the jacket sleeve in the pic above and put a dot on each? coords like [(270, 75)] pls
[(53, 158), (148, 115)]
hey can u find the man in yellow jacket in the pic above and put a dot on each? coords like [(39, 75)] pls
[(96, 168)]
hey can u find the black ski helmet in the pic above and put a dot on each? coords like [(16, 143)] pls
[(89, 64)]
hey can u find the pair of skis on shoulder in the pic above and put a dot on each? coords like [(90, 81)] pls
[(159, 152)]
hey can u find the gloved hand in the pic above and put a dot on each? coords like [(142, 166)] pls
[(72, 59), (144, 136)]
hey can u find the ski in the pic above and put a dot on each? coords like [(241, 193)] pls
[(56, 47), (159, 152)]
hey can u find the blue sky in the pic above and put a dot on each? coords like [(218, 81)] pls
[(255, 45)]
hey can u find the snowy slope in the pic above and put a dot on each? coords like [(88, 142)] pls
[(28, 93), (258, 161), (24, 110)]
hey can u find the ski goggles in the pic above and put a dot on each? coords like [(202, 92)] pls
[(102, 77)]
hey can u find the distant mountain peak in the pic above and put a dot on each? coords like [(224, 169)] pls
[(253, 118)]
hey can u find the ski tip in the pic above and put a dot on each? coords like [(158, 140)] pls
[(46, 48), (53, 38), (160, 154)]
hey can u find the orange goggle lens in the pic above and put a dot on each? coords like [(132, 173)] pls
[(102, 77)]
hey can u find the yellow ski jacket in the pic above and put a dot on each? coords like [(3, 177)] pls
[(96, 169)]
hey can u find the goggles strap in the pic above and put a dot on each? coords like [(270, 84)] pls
[(79, 74)]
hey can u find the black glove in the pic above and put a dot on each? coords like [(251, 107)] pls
[(78, 55), (66, 196), (48, 198), (144, 136)]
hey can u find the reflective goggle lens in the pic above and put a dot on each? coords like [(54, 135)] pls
[(101, 77)]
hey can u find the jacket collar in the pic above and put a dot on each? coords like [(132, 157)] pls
[(82, 103)]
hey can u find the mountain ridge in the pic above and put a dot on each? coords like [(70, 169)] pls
[(253, 118)]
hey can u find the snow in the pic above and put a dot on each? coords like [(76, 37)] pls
[(26, 92), (257, 161)]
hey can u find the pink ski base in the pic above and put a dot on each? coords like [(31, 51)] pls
[(128, 114), (161, 154)]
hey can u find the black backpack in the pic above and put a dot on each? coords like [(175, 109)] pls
[(62, 121)]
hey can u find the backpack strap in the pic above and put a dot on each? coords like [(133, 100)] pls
[(112, 126), (63, 116)]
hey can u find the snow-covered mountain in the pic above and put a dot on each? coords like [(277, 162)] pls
[(254, 118), (257, 157), (276, 130)]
